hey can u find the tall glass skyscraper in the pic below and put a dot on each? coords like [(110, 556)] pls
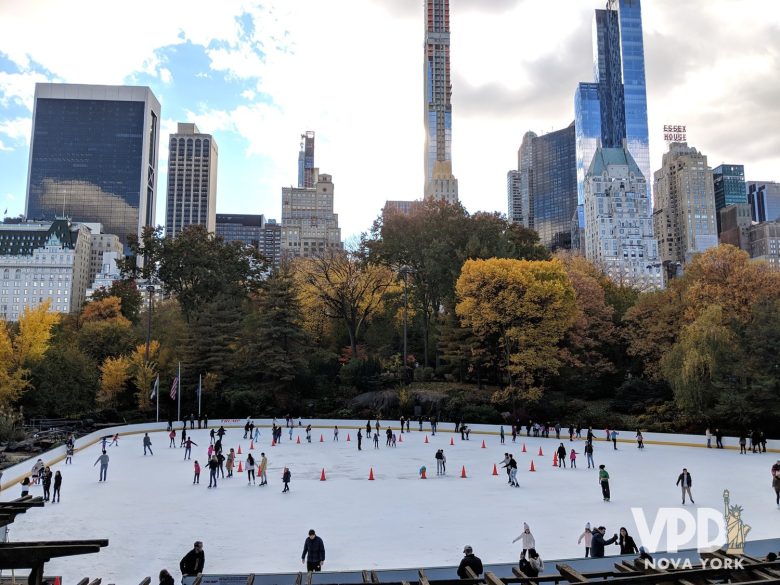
[(93, 156), (306, 161), (620, 90), (439, 182), (729, 183)]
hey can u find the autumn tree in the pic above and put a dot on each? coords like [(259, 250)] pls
[(104, 331), (35, 331), (143, 371), (529, 305), (127, 291), (13, 378), (114, 374)]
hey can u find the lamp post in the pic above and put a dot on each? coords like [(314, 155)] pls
[(404, 271), (150, 290)]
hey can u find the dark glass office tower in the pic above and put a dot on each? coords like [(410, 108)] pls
[(93, 156), (729, 182)]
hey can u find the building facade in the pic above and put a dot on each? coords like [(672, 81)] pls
[(684, 210), (439, 180), (93, 156), (735, 225), (309, 225), (399, 206), (619, 234), (729, 186), (252, 230), (42, 261), (764, 200), (514, 203), (765, 243), (306, 161), (192, 180), (525, 161), (102, 244)]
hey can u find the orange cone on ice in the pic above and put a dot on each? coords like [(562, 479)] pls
[(240, 469), (273, 442), (495, 469), (451, 441), (524, 451), (298, 442), (239, 450), (532, 466), (463, 472), (426, 438), (321, 439), (422, 475), (400, 438), (322, 475), (483, 443), (251, 445), (371, 474), (540, 451), (348, 439), (555, 459)]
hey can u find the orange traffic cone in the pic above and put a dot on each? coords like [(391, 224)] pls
[(463, 472), (483, 443), (495, 469), (451, 441), (524, 451), (532, 466), (555, 459), (273, 442), (400, 438), (298, 442), (422, 475), (348, 439), (251, 445), (321, 439), (240, 469), (322, 475), (239, 450), (426, 438), (371, 474), (540, 451)]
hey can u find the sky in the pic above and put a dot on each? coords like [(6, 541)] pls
[(258, 74)]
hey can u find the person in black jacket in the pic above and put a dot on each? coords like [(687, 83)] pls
[(685, 482), (469, 560), (626, 542), (315, 549), (192, 563), (598, 543), (166, 578)]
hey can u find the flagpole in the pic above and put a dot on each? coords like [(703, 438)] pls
[(179, 395), (200, 391)]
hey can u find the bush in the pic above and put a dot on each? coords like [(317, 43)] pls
[(362, 374)]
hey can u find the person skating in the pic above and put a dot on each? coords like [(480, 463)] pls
[(221, 462), (251, 428), (438, 457), (685, 482), (147, 444), (103, 460), (213, 470), (221, 432), (742, 444), (468, 432), (573, 459), (69, 454), (230, 461), (589, 454), (514, 433), (501, 434), (408, 422), (561, 456), (246, 428), (376, 440), (389, 436), (368, 429), (604, 482), (172, 437), (250, 470), (261, 469), (598, 543), (505, 465), (57, 487), (718, 439), (188, 448), (286, 476), (587, 536), (626, 542), (513, 471), (359, 440), (183, 437), (443, 463), (336, 433), (640, 441), (314, 549), (192, 421), (257, 434), (196, 477), (471, 561), (708, 434), (762, 441), (308, 433), (191, 564), (115, 440), (776, 482), (402, 420), (47, 476), (528, 540), (376, 426), (614, 436), (212, 436)]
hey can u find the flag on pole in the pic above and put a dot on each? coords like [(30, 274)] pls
[(155, 388), (174, 387)]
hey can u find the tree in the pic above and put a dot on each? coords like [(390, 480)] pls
[(63, 383), (13, 379), (104, 331), (348, 288), (127, 291), (114, 373), (529, 305), (107, 308), (35, 331), (143, 371)]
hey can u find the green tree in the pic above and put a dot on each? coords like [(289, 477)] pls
[(64, 384), (127, 292)]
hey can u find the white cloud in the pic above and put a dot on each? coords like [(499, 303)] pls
[(10, 197), (19, 88), (17, 129), (5, 148)]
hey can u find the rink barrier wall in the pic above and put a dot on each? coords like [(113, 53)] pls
[(19, 471)]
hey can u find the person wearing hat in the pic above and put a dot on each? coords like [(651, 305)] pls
[(528, 540), (469, 560), (587, 536), (315, 549)]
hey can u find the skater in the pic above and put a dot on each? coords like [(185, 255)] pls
[(389, 436), (37, 471), (501, 434), (571, 433), (402, 424), (336, 433), (535, 564), (192, 421), (589, 454), (191, 565), (188, 448), (528, 540), (210, 451), (376, 426), (257, 434), (147, 444), (513, 472), (604, 482), (231, 458), (392, 440), (443, 463), (463, 432), (308, 433), (250, 470), (408, 422), (104, 442), (57, 487), (614, 435), (221, 432), (212, 435), (261, 469), (221, 463), (315, 549), (115, 440), (762, 441), (438, 457), (103, 460), (183, 437), (561, 456), (685, 482), (69, 454), (47, 475), (514, 433), (25, 486), (469, 560), (640, 442), (573, 459), (246, 428), (626, 542), (557, 431), (196, 477), (251, 429), (290, 432), (598, 543), (376, 440), (505, 465), (708, 434), (776, 482), (742, 443), (286, 475), (718, 439), (368, 429), (172, 437), (587, 536), (218, 447), (213, 469), (468, 431), (359, 439)]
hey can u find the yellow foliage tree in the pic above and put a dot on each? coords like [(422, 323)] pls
[(13, 379), (144, 371), (114, 373), (35, 327), (528, 305), (107, 309)]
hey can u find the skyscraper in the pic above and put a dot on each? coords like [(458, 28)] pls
[(309, 226), (729, 183), (684, 215), (439, 181), (764, 199), (525, 161), (192, 180), (252, 230), (93, 156), (306, 160), (619, 89), (514, 204)]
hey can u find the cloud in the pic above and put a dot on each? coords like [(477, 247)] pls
[(17, 129), (5, 148), (10, 197), (19, 88)]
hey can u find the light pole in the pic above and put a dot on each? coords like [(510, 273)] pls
[(150, 290), (404, 271)]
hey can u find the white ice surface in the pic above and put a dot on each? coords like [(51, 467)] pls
[(151, 513)]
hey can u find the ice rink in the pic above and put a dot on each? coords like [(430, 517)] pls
[(151, 512)]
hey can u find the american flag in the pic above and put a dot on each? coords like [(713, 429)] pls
[(174, 387)]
